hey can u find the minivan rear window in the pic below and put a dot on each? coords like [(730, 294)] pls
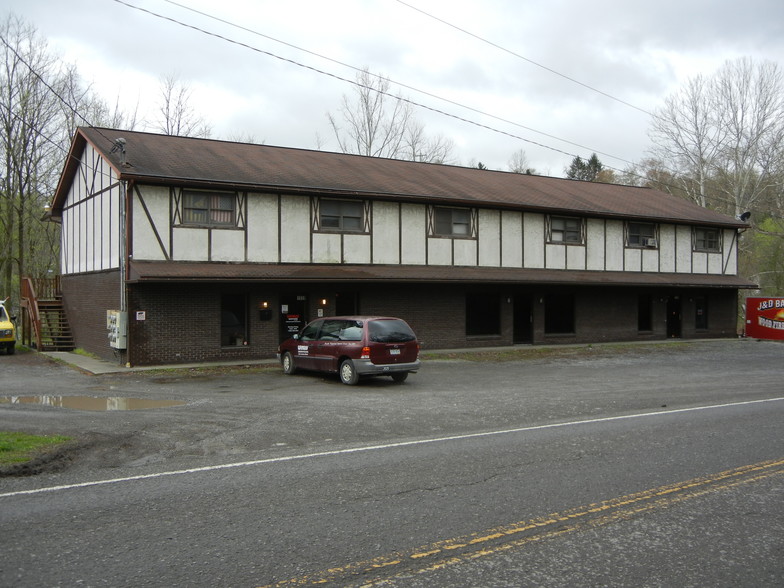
[(390, 331)]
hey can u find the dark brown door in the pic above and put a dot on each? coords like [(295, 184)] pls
[(293, 315), (523, 320), (674, 317)]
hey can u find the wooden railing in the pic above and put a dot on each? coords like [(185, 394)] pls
[(31, 319), (45, 288), (44, 323), (33, 290)]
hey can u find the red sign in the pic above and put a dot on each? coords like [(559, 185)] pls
[(765, 318)]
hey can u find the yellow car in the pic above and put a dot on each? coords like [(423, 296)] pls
[(7, 331)]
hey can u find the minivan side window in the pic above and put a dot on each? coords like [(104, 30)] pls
[(331, 331), (341, 330), (310, 333), (352, 331)]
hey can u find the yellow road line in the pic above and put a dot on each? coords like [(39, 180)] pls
[(454, 551)]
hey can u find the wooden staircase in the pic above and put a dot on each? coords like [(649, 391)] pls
[(44, 323), (56, 334)]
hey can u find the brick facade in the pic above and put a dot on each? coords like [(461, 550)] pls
[(182, 321), (86, 298)]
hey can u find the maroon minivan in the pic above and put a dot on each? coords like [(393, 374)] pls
[(354, 347)]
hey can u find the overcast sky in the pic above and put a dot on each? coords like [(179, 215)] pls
[(555, 78)]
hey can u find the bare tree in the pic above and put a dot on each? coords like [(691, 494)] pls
[(751, 105), (82, 107), (687, 137), (32, 144), (378, 124), (177, 116), (724, 136), (418, 146), (651, 173), (518, 163)]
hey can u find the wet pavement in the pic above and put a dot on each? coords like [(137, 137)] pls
[(252, 410)]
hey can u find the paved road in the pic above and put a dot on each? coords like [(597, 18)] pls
[(646, 466)]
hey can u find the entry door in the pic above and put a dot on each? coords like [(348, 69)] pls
[(674, 317), (523, 320), (293, 315)]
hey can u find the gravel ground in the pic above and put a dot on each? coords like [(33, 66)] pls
[(250, 412)]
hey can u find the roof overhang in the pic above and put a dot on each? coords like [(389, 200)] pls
[(172, 272), (190, 162)]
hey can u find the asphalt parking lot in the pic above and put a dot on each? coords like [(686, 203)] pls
[(244, 412)]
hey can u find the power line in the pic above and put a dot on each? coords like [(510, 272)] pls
[(379, 77), (293, 62), (355, 83), (49, 87), (526, 59), (62, 100)]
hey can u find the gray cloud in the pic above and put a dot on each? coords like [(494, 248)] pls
[(638, 52)]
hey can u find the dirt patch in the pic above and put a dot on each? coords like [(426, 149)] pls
[(93, 446)]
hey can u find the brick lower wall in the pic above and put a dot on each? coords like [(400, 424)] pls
[(182, 322), (86, 298)]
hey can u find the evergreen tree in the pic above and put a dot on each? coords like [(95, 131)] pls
[(587, 171)]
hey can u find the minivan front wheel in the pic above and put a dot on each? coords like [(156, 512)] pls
[(348, 374), (288, 363)]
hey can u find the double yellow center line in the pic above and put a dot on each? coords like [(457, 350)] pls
[(454, 551)]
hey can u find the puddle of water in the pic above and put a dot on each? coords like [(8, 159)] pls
[(91, 402)]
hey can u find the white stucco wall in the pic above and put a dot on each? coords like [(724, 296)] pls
[(413, 234), (490, 237), (279, 229), (667, 248), (616, 259), (512, 239), (295, 230), (90, 236), (263, 228), (533, 238), (595, 244), (386, 233), (356, 248), (146, 244), (465, 251), (684, 254)]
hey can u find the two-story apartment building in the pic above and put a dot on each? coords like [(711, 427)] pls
[(215, 250)]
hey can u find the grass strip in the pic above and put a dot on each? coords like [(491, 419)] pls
[(21, 447)]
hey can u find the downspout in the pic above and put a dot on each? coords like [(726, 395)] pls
[(123, 244), (125, 255)]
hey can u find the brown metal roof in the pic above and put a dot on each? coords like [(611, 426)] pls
[(158, 271), (163, 159)]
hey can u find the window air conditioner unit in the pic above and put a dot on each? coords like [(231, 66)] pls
[(649, 242)]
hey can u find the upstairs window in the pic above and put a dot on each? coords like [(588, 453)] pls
[(208, 209), (341, 215), (706, 239), (641, 235), (567, 230), (451, 222)]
